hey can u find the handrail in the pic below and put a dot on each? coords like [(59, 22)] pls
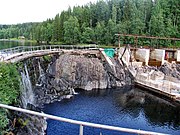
[(81, 123), (44, 47), (30, 49)]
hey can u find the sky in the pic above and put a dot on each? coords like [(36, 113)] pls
[(21, 11)]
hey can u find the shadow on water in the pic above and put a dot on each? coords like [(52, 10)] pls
[(130, 108), (157, 111)]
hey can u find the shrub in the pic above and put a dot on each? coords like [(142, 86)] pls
[(9, 90)]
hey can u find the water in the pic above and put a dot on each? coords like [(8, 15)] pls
[(124, 108), (27, 95), (9, 44), (130, 108)]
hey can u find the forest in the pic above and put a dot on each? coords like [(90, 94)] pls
[(97, 23)]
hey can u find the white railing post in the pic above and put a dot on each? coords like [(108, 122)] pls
[(81, 130)]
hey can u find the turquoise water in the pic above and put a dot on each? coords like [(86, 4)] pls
[(132, 108)]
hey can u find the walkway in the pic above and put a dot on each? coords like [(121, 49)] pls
[(23, 52)]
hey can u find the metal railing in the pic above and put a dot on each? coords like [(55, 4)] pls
[(81, 123), (19, 49), (33, 49)]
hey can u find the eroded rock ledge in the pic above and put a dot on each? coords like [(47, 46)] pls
[(55, 77), (71, 71)]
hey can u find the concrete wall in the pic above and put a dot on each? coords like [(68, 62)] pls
[(158, 54), (143, 55), (126, 56), (178, 56)]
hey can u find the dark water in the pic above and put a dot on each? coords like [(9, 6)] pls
[(124, 108), (10, 44)]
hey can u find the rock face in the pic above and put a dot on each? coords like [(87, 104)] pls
[(172, 70), (31, 125), (69, 72), (79, 72)]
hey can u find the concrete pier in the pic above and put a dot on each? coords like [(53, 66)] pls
[(159, 83), (143, 55), (148, 78), (126, 56), (178, 55), (158, 55)]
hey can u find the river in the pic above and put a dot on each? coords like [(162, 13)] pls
[(129, 108), (132, 108), (4, 44)]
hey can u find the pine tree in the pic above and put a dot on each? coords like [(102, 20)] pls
[(110, 32), (56, 28), (71, 31), (99, 33), (87, 35), (157, 26), (114, 14)]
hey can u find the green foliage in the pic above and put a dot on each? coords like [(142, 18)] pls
[(71, 30), (99, 33), (87, 35), (47, 58), (101, 20), (22, 122), (3, 120), (56, 28), (9, 89)]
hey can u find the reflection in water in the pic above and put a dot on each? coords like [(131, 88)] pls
[(132, 108), (9, 44), (157, 111), (162, 113)]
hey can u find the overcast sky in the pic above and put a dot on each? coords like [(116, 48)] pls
[(20, 11)]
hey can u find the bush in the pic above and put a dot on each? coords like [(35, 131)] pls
[(9, 90)]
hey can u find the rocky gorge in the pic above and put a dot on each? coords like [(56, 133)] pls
[(55, 77), (51, 78), (69, 72)]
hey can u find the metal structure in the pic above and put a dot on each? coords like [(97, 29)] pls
[(23, 50), (19, 49), (81, 123), (142, 36)]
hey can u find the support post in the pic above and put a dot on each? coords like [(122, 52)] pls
[(119, 42), (81, 130), (136, 40)]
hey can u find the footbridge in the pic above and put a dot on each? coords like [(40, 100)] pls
[(24, 52)]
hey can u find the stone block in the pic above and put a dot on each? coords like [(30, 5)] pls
[(158, 54), (143, 55)]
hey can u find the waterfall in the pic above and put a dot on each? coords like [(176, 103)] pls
[(72, 91), (41, 72), (41, 77), (27, 95)]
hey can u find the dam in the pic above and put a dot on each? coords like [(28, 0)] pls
[(73, 78)]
